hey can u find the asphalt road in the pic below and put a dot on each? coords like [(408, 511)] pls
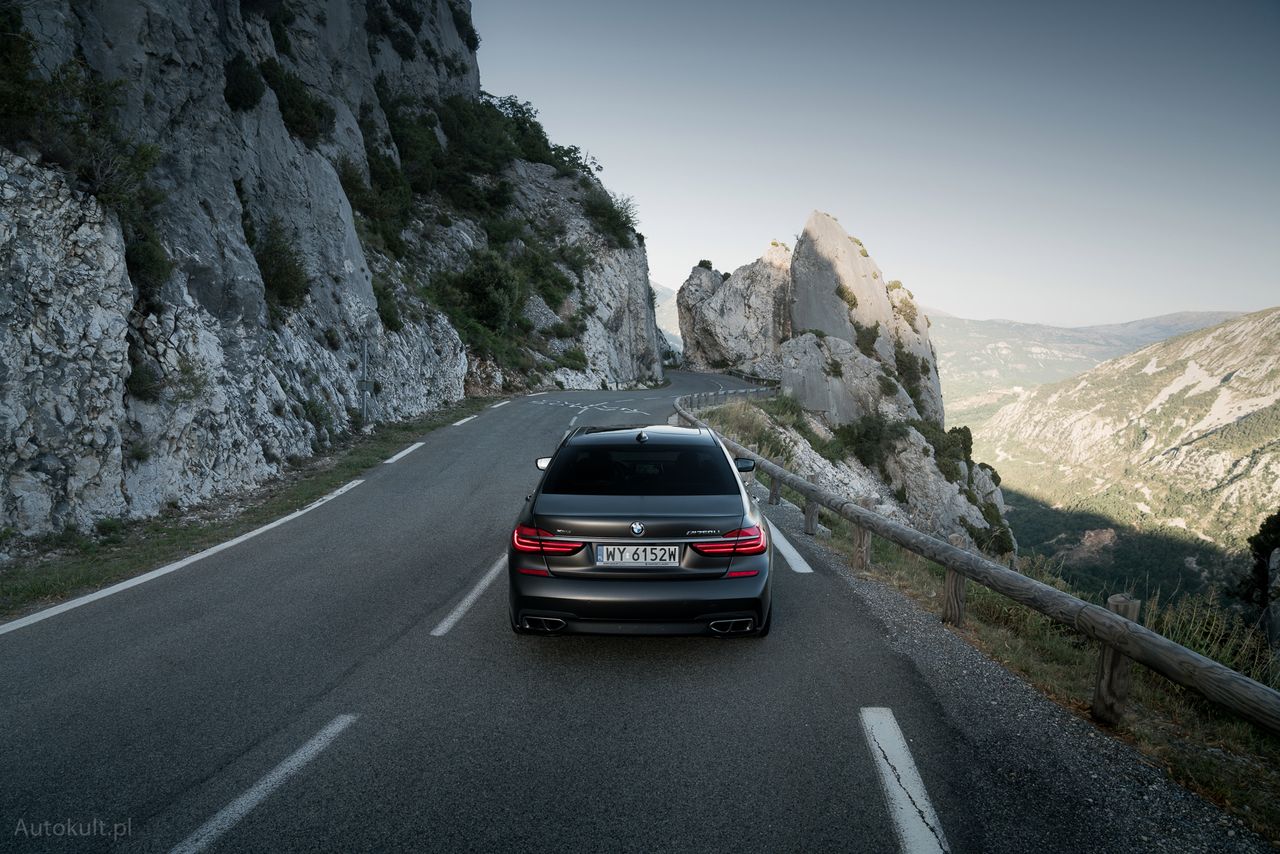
[(345, 682)]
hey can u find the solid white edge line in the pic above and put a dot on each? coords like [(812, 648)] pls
[(573, 420), (503, 403), (165, 570), (465, 605), (406, 452), (914, 821), (789, 553), (463, 421), (535, 394), (232, 813)]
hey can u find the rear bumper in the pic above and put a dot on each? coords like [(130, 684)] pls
[(627, 607)]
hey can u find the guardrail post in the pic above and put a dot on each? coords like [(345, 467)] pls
[(1114, 677), (861, 560), (811, 509), (953, 590), (775, 485)]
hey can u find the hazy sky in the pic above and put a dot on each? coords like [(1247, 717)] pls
[(1068, 163)]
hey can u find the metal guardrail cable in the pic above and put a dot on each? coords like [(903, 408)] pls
[(1234, 691)]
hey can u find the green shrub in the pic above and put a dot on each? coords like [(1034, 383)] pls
[(332, 339), (888, 387), (502, 230), (543, 276), (244, 87), (991, 473), (705, 264), (833, 368), (871, 438), (149, 266), (280, 264), (907, 309), (573, 359), (863, 253), (909, 373), (612, 215), (846, 294), (307, 116), (316, 413), (463, 24), (576, 257), (388, 305), (144, 382), (407, 12), (865, 337), (950, 448)]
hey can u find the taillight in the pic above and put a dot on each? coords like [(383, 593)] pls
[(744, 541), (531, 540)]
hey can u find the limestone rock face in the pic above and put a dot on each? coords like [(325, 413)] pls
[(838, 289), (740, 321), (233, 390), (830, 377), (63, 358)]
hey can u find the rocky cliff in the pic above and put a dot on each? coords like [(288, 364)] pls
[(863, 405), (739, 319), (319, 186)]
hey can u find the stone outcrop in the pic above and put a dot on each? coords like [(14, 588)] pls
[(208, 390), (853, 351), (838, 290), (740, 320)]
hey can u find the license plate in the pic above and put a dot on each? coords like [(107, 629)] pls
[(647, 555)]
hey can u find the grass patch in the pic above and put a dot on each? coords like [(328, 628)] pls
[(69, 564)]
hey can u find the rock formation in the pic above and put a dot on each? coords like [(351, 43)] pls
[(853, 352), (737, 320), (122, 396)]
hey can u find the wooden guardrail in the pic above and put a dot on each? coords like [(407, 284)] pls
[(1122, 637)]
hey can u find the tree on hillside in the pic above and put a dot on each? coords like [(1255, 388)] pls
[(1256, 586)]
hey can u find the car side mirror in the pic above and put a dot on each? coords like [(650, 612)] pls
[(744, 465), (542, 463)]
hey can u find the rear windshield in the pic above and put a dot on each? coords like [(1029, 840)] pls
[(632, 470)]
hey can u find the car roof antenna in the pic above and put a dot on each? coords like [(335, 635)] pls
[(642, 436)]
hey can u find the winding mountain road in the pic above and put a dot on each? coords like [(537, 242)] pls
[(347, 681)]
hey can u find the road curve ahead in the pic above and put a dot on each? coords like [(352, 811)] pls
[(347, 681)]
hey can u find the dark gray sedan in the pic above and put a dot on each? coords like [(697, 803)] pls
[(641, 530)]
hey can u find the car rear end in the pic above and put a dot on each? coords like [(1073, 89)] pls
[(640, 536)]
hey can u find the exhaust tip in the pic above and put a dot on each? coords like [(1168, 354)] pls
[(543, 624), (727, 627)]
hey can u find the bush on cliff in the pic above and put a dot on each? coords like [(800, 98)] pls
[(307, 116), (244, 87), (283, 276)]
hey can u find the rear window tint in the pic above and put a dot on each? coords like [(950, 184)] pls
[(632, 470)]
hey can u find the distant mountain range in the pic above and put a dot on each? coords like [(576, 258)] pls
[(985, 363), (1179, 439), (668, 317)]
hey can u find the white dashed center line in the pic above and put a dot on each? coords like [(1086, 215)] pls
[(500, 403), (914, 821), (465, 605), (209, 832), (463, 421)]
